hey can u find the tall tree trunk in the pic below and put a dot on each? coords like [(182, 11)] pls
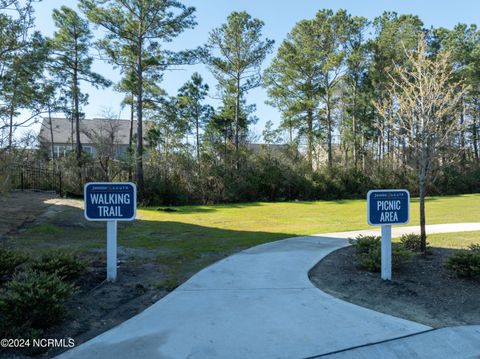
[(404, 155), (354, 125), (423, 235), (363, 151), (11, 115), (165, 167), (475, 139), (329, 132), (389, 154), (51, 132), (346, 149), (475, 132), (310, 137), (423, 167), (379, 145), (197, 129), (10, 125), (139, 156), (130, 138), (78, 145), (462, 134), (72, 129), (76, 107), (237, 112)]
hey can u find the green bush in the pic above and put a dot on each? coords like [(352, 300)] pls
[(363, 244), (33, 300), (65, 264), (412, 242), (9, 260), (371, 260), (465, 263), (369, 253), (474, 247), (400, 256)]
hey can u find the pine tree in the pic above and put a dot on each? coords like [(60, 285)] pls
[(72, 64), (136, 31), (237, 51)]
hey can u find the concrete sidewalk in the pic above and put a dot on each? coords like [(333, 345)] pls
[(444, 343), (258, 303)]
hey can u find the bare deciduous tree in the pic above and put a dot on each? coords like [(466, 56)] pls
[(106, 141), (422, 99)]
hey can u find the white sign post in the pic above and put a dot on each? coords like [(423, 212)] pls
[(387, 252), (111, 251), (384, 208), (110, 202)]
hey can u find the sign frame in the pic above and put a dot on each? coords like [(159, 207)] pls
[(111, 225), (386, 230), (134, 202), (372, 191)]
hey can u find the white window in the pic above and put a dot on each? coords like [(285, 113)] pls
[(61, 150), (88, 149)]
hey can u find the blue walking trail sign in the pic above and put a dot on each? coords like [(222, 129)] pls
[(390, 206), (110, 201)]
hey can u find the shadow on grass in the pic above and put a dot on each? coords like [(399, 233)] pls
[(191, 209), (68, 229), (200, 208)]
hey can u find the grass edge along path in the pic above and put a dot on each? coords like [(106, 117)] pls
[(232, 227)]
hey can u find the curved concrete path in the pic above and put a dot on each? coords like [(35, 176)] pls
[(258, 303)]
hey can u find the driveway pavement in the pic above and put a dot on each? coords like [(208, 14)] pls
[(259, 303)]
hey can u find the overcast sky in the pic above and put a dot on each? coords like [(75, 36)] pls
[(279, 17)]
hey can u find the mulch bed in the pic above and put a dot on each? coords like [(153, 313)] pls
[(98, 305), (424, 292)]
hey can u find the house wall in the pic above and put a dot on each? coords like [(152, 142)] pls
[(61, 149)]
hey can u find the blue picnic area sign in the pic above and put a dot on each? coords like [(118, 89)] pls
[(388, 206), (110, 201)]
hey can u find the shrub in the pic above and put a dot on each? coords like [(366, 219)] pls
[(465, 263), (65, 264), (369, 250), (9, 260), (371, 260), (400, 256), (363, 244), (474, 247), (33, 300), (412, 242)]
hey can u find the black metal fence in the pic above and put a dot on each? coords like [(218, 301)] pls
[(64, 181), (30, 177)]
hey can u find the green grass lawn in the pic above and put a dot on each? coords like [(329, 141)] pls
[(194, 236), (241, 225), (454, 240), (299, 218)]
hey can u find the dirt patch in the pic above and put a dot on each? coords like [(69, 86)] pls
[(20, 208), (154, 257), (424, 292), (99, 305)]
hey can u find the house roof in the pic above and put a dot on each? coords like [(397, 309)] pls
[(273, 147), (62, 130)]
